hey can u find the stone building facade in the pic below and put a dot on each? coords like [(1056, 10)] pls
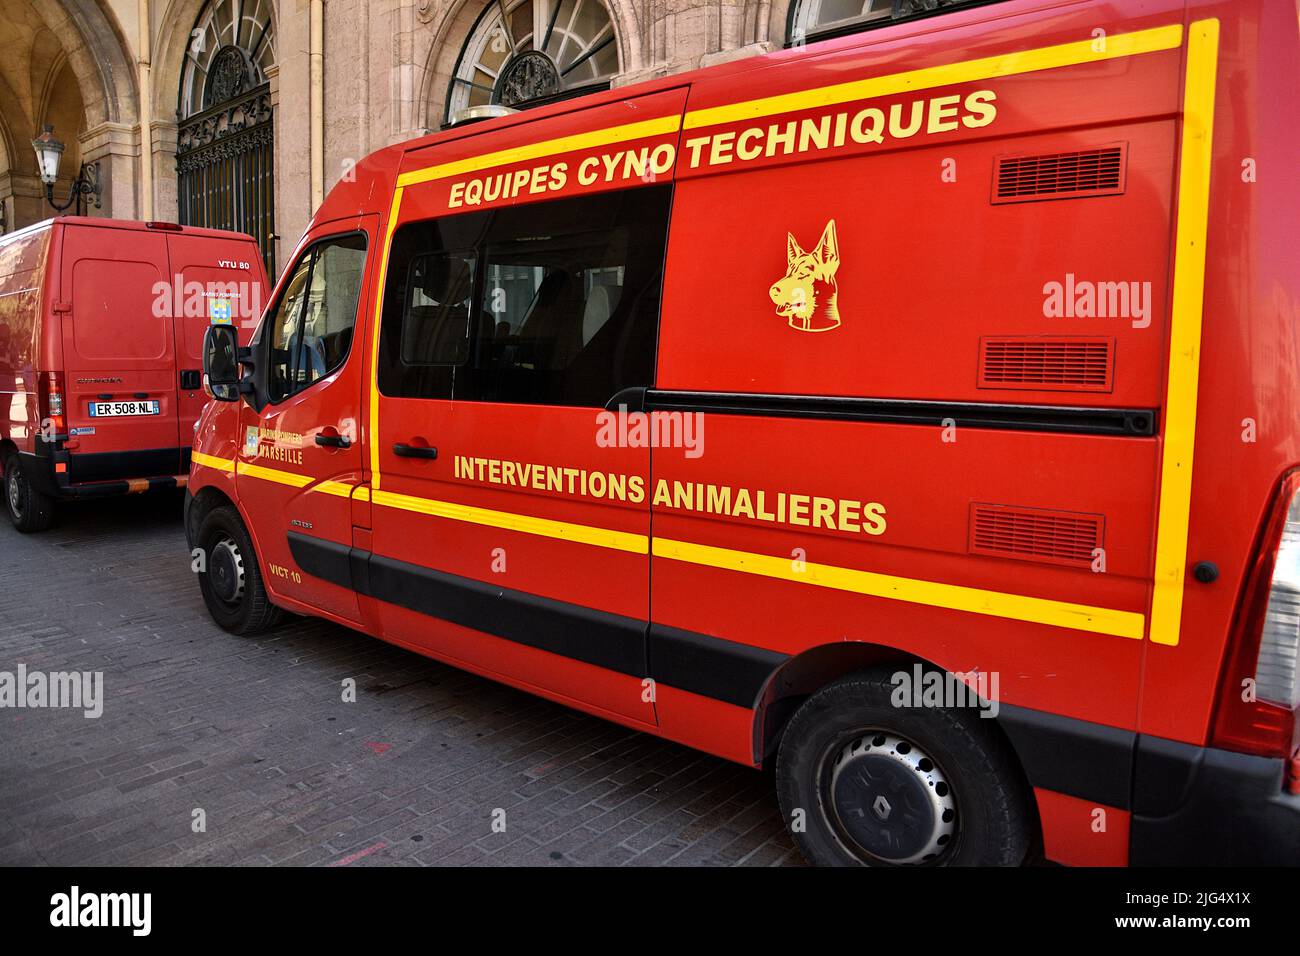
[(242, 113)]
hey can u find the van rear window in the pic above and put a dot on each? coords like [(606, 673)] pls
[(552, 303)]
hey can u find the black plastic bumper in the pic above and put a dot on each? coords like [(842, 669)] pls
[(1200, 806), (103, 475)]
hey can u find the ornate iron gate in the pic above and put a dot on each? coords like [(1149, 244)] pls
[(227, 177)]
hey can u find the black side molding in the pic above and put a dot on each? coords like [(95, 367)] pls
[(596, 637), (582, 633), (1075, 757), (327, 560), (710, 666), (1070, 419)]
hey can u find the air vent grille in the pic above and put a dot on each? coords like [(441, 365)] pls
[(1048, 363), (1034, 534), (1087, 172)]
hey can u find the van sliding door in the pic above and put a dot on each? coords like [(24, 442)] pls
[(511, 521)]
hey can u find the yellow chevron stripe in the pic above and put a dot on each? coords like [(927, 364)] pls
[(987, 68), (565, 531), (1174, 514), (212, 461), (272, 474), (1018, 607), (563, 144), (340, 489)]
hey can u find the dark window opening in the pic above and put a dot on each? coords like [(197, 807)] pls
[(812, 20), (553, 303), (311, 325)]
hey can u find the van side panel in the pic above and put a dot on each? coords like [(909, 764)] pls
[(1025, 553), (23, 260)]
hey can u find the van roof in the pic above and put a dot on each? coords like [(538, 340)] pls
[(378, 171), (129, 225), (894, 36)]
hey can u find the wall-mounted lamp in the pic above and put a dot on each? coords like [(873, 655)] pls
[(49, 152)]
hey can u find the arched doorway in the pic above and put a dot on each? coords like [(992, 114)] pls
[(225, 140), (524, 52)]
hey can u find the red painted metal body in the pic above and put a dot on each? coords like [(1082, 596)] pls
[(114, 311), (929, 270)]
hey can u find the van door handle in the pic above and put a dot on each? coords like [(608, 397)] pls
[(414, 451), (330, 438)]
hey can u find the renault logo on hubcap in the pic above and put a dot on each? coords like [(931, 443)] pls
[(881, 807)]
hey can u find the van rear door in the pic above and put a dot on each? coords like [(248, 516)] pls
[(119, 355), (217, 277)]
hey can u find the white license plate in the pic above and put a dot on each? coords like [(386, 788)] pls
[(120, 409)]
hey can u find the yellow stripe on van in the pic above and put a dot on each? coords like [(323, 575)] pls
[(987, 68), (581, 534), (272, 474), (1019, 607), (1185, 333), (340, 489), (563, 144), (375, 330), (212, 461)]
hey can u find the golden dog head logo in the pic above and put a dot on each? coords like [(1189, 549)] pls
[(806, 296)]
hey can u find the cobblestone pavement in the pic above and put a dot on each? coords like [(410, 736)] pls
[(252, 732)]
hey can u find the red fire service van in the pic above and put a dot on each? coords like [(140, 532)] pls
[(101, 334), (914, 411)]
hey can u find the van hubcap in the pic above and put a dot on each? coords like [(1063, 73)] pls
[(14, 488), (226, 571), (889, 801)]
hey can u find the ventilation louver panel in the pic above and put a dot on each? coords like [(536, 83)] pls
[(1048, 363), (1086, 172), (1035, 534)]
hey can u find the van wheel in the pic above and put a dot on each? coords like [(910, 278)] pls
[(877, 785), (29, 508), (232, 582)]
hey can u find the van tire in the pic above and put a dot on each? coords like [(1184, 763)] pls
[(29, 508), (957, 774), (231, 581)]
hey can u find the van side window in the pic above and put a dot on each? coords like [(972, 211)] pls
[(435, 323), (311, 328), (553, 303)]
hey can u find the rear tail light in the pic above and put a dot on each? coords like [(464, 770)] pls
[(1259, 690), (50, 389)]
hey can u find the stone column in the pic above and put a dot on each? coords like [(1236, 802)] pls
[(115, 148), (24, 200), (165, 199)]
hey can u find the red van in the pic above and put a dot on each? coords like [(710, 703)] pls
[(101, 331), (915, 411)]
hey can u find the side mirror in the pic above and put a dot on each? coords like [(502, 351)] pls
[(221, 362)]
